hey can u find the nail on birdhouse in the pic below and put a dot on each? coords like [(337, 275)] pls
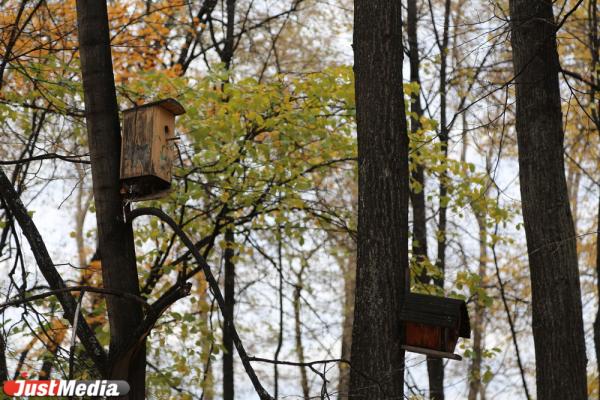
[(147, 149), (433, 325)]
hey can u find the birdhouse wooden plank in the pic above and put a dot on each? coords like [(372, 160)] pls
[(434, 324), (147, 149)]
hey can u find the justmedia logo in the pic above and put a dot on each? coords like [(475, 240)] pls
[(60, 388)]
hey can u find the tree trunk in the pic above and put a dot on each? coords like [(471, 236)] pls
[(204, 310), (349, 286), (228, 47), (435, 366), (279, 267), (417, 197), (475, 386), (298, 333), (377, 370), (115, 235), (3, 367), (228, 376), (556, 295), (597, 321), (594, 42)]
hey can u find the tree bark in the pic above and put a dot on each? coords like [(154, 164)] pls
[(298, 333), (228, 47), (556, 295), (594, 42), (229, 289), (435, 366), (279, 266), (115, 234), (417, 198), (3, 367), (228, 376), (377, 364), (349, 295), (475, 384), (597, 321)]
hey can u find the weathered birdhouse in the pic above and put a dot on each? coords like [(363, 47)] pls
[(434, 324), (147, 149)]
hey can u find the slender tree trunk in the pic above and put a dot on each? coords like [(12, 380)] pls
[(377, 370), (228, 367), (349, 286), (228, 48), (298, 333), (594, 40), (83, 201), (435, 366), (597, 321), (417, 197), (3, 367), (115, 235), (556, 295), (475, 384), (206, 346), (228, 375), (280, 298)]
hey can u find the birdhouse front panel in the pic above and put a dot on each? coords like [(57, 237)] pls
[(421, 335), (136, 146)]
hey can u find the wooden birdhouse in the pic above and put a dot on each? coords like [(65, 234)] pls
[(147, 149), (433, 325)]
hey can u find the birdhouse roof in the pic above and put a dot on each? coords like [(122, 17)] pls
[(436, 311), (171, 105)]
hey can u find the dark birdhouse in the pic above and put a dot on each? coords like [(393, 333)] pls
[(434, 324), (147, 149)]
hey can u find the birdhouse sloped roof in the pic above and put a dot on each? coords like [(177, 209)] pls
[(171, 105), (436, 311)]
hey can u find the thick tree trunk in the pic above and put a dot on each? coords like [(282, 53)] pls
[(556, 295), (228, 376), (114, 233), (377, 370)]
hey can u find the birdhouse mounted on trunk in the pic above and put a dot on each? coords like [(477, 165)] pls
[(433, 325), (147, 149)]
